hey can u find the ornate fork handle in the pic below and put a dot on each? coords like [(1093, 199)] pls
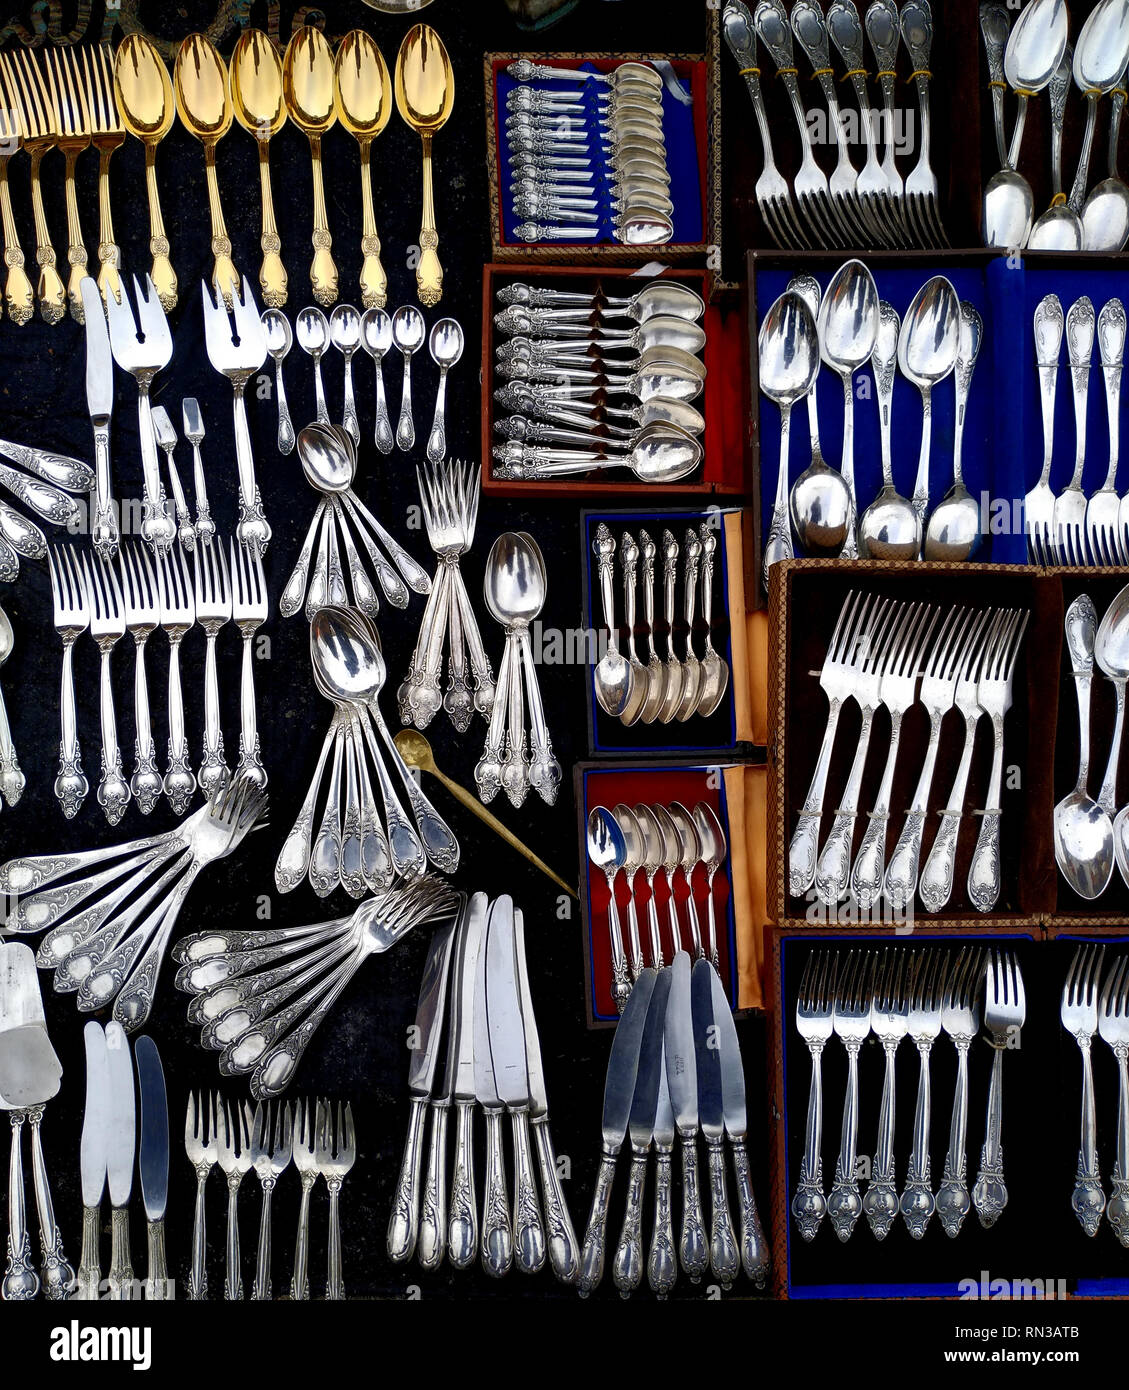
[(844, 1205), (71, 785), (213, 771), (953, 1201), (918, 1203), (901, 876), (335, 1282), (1088, 1199), (984, 871), (870, 862), (261, 1291), (809, 1205), (880, 1202), (250, 758), (233, 1278), (833, 870), (802, 851), (1117, 1209), (936, 884), (989, 1192)]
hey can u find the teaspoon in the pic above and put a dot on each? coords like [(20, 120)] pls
[(345, 334), (408, 336), (313, 339), (445, 344), (280, 338), (927, 353), (376, 339)]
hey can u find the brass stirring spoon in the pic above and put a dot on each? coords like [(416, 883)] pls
[(204, 103), (260, 108), (425, 93), (363, 98), (144, 92), (307, 77)]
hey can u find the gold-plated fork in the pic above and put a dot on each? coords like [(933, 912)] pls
[(18, 292), (72, 138), (38, 128), (104, 126)]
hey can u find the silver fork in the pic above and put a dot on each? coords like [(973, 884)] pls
[(873, 189), (178, 613), (202, 1148), (142, 614), (833, 869), (234, 1157), (1104, 537), (1069, 539), (1039, 504), (306, 1164), (1079, 1014), (837, 680), (994, 693), (882, 31), (960, 1018), (889, 1021), (107, 627), (851, 1021), (1113, 1025), (897, 692), (938, 687), (212, 590), (1005, 1012), (239, 361), (815, 1004), (916, 21), (269, 1160), (335, 1153), (917, 1201), (143, 360), (71, 617), (249, 613)]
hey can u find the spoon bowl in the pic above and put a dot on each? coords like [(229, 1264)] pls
[(928, 346), (515, 582), (328, 467), (445, 343), (1105, 217), (279, 335)]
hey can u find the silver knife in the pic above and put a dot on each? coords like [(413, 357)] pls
[(100, 404), (153, 1162), (662, 1264), (619, 1089), (497, 1232), (725, 1261), (564, 1249), (627, 1268), (462, 1223), (682, 1079), (119, 1157), (403, 1224), (511, 1075), (92, 1157)]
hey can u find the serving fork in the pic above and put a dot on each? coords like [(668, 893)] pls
[(249, 609), (234, 1158), (107, 627), (201, 1143), (1005, 1012), (269, 1158), (960, 1018), (71, 616), (28, 96), (815, 1009), (1113, 1025), (1079, 1014), (889, 1022), (178, 613), (850, 1019), (335, 1153), (213, 604), (917, 1201)]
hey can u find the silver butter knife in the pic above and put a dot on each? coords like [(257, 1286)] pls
[(153, 1162)]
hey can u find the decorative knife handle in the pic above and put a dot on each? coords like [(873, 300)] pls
[(596, 1237), (20, 1282), (233, 1279), (300, 1279), (497, 1235), (433, 1216), (564, 1251), (121, 1267), (261, 1290), (104, 534), (725, 1260), (403, 1224), (89, 1269), (157, 1286), (462, 1225), (693, 1247), (662, 1263), (58, 1276), (529, 1231), (627, 1266), (198, 1278), (754, 1247)]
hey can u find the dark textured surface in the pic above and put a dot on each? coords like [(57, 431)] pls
[(361, 1051)]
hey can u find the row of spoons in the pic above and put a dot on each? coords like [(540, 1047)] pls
[(847, 327), (645, 839), (377, 332)]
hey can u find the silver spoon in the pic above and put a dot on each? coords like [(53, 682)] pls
[(607, 851), (376, 339), (640, 677), (690, 856), (672, 668), (632, 863), (888, 528), (714, 849), (1105, 218), (1083, 831), (280, 339), (652, 863), (12, 780), (1060, 227), (345, 334), (1100, 57), (953, 532), (408, 335), (927, 353), (612, 679), (661, 454), (313, 339), (715, 669), (446, 347), (656, 412), (1111, 652)]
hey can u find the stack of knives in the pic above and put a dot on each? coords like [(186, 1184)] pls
[(476, 978), (675, 1064), (109, 1133)]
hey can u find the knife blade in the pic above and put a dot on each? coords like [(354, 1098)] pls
[(627, 1267), (119, 1157), (754, 1247), (619, 1091), (511, 1073), (462, 1223), (682, 1079), (153, 1161), (724, 1258), (92, 1154), (564, 1250), (662, 1265), (403, 1224), (497, 1233), (100, 405)]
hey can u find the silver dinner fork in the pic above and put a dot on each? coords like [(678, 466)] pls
[(1104, 537), (1079, 1014), (269, 1160), (960, 1018), (1005, 1012), (916, 20), (234, 1158), (212, 590), (917, 1202), (142, 614), (874, 190), (71, 618), (1113, 1025), (178, 613), (889, 1021), (1069, 540), (851, 1021), (994, 693), (815, 1005), (249, 613), (107, 627), (1039, 504), (306, 1163), (202, 1147), (335, 1153), (882, 32)]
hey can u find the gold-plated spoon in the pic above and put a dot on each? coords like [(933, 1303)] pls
[(204, 102), (145, 100), (363, 97), (307, 77), (260, 108), (425, 93)]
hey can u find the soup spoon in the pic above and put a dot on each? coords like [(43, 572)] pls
[(927, 352), (888, 529)]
